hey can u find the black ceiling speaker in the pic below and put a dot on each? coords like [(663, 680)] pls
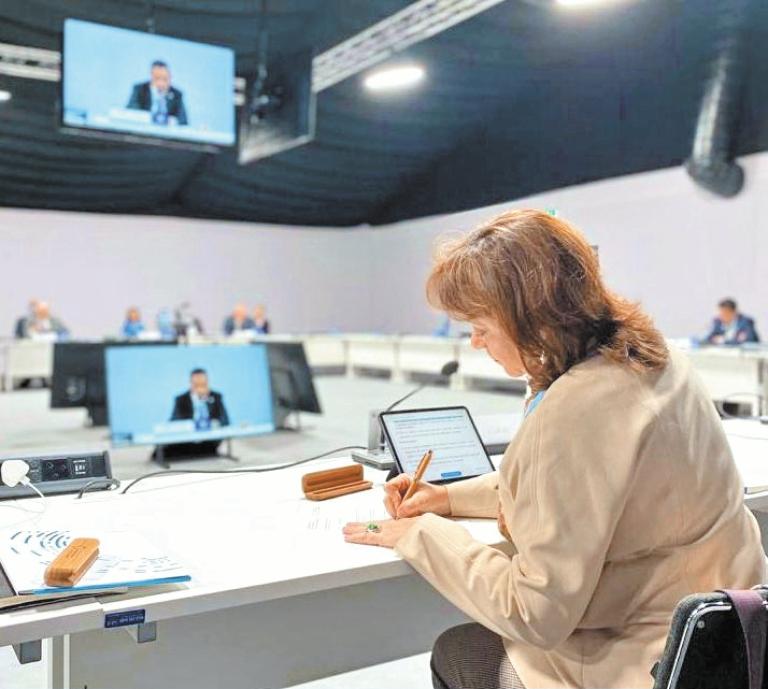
[(711, 164)]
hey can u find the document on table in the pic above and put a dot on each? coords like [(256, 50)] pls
[(125, 559), (331, 515)]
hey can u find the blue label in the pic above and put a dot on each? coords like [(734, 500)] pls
[(124, 619), (450, 474)]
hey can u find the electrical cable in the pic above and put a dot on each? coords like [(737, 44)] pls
[(249, 470), (35, 515), (108, 483)]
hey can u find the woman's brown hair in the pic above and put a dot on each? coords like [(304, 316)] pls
[(540, 279)]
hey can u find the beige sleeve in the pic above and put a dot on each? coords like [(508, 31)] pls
[(475, 497), (568, 502)]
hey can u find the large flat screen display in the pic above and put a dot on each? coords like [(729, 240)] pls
[(134, 83), (164, 395)]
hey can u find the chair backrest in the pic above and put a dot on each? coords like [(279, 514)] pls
[(706, 646)]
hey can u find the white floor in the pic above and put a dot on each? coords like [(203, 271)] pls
[(28, 425)]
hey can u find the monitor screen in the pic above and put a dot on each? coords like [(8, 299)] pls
[(164, 395), (292, 382), (78, 378), (141, 84)]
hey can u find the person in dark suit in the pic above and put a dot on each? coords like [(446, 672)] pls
[(206, 408), (260, 322), (731, 327), (200, 403), (238, 321), (163, 101)]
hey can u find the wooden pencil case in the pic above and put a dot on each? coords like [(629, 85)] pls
[(72, 563), (321, 485)]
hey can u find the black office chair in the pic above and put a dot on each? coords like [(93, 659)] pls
[(706, 646)]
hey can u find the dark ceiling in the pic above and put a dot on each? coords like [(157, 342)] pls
[(522, 98)]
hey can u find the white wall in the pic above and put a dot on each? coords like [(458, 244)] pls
[(92, 267), (662, 241)]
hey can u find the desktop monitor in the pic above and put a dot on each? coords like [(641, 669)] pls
[(151, 400), (293, 387), (78, 374), (78, 378), (142, 86)]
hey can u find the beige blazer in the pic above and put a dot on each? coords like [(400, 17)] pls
[(621, 497)]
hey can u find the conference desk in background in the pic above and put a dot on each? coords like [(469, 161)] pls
[(731, 373), (726, 371), (23, 359), (277, 597)]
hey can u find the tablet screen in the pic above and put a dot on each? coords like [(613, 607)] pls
[(449, 432)]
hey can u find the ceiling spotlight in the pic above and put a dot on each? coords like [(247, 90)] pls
[(4, 96), (390, 78)]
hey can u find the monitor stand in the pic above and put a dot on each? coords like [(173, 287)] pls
[(159, 455)]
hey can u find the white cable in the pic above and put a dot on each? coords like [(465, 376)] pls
[(13, 472), (26, 482)]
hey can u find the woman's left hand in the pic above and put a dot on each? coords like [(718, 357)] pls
[(389, 532)]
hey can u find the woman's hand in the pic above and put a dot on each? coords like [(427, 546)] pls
[(389, 532), (427, 498)]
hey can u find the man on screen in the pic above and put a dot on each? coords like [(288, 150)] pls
[(206, 408), (163, 101), (200, 404)]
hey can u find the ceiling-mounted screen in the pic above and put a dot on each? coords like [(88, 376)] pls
[(136, 84), (279, 112)]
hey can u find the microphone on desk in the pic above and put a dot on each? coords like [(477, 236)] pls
[(377, 454), (448, 369)]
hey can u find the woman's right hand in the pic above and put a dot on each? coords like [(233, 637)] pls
[(427, 498)]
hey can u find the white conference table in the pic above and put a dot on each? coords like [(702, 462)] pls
[(277, 596), (737, 374)]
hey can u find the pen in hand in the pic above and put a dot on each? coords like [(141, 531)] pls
[(420, 471)]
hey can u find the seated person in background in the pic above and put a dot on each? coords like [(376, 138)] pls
[(731, 327), (444, 329), (206, 408), (260, 322), (164, 322), (41, 324), (185, 323), (164, 102), (133, 326), (21, 323), (238, 321)]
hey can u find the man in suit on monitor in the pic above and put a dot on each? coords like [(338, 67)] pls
[(203, 406), (200, 403), (163, 101)]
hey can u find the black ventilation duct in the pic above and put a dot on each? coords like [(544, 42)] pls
[(711, 164)]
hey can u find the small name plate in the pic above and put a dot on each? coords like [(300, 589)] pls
[(124, 619)]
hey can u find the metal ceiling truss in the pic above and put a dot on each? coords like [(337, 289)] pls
[(413, 24)]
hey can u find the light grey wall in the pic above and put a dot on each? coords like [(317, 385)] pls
[(91, 267), (662, 241)]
